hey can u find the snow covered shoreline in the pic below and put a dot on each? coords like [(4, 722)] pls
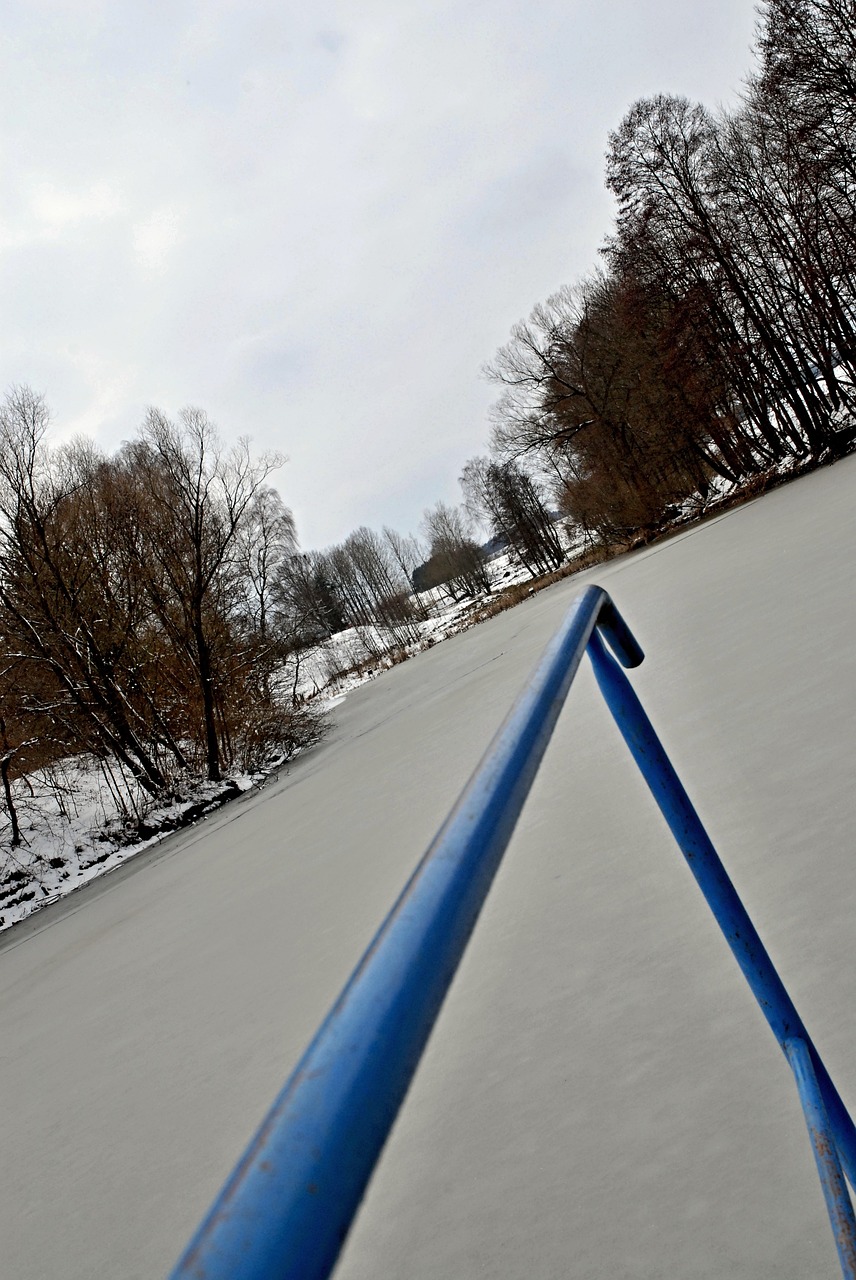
[(78, 822)]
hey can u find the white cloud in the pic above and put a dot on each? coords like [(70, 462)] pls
[(61, 208), (156, 236), (315, 222)]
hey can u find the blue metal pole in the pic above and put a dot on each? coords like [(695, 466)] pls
[(838, 1203), (714, 882), (285, 1211)]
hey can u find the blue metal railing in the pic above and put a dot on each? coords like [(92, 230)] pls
[(287, 1207)]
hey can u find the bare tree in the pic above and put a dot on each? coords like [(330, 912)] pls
[(306, 597), (72, 614), (455, 559), (502, 496), (697, 201), (266, 538), (199, 500), (635, 435), (384, 588), (407, 551)]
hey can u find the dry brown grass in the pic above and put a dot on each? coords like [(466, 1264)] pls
[(521, 591)]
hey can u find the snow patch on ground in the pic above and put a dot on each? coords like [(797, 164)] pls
[(77, 823)]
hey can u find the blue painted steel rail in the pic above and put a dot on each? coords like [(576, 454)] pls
[(287, 1207)]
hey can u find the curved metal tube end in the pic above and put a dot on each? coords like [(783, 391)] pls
[(618, 635)]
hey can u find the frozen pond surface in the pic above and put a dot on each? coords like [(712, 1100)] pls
[(601, 1097)]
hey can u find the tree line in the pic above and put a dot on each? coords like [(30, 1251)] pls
[(717, 338), (386, 583), (155, 607), (134, 601)]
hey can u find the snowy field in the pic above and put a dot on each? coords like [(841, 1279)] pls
[(601, 1097)]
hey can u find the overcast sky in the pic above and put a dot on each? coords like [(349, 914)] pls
[(315, 222)]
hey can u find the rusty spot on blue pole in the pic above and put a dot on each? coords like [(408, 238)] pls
[(838, 1204)]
